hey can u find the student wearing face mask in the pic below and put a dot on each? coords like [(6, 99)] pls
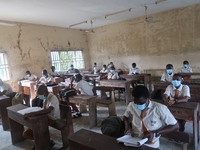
[(168, 74), (177, 93), (46, 78), (112, 74), (104, 69), (186, 68), (95, 68), (50, 102), (147, 119), (72, 69), (134, 70)]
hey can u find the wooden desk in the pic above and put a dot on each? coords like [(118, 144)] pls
[(146, 78), (84, 100), (38, 124), (189, 112), (55, 90), (30, 85), (118, 84), (5, 101), (88, 140)]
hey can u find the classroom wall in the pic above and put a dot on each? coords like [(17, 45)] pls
[(28, 47), (175, 38)]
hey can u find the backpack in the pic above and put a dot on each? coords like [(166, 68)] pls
[(66, 93), (113, 126), (18, 98)]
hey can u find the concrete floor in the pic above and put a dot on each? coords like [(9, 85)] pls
[(82, 122)]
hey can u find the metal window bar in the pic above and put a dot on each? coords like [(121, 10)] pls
[(4, 68)]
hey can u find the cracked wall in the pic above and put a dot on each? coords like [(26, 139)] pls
[(28, 47), (175, 38)]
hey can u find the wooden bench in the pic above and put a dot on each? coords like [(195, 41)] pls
[(104, 102), (64, 124), (180, 137)]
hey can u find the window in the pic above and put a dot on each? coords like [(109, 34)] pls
[(63, 59), (4, 71)]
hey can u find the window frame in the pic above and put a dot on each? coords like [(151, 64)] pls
[(4, 66), (73, 61)]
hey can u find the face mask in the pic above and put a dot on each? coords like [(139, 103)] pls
[(42, 97), (110, 65), (71, 68), (176, 83), (185, 65), (104, 69), (140, 107), (28, 75), (44, 75), (169, 71), (112, 71), (0, 87)]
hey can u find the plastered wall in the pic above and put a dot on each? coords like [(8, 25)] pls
[(175, 38), (28, 47)]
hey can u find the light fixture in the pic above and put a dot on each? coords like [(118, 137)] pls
[(77, 23), (122, 11)]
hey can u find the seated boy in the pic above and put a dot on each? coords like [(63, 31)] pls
[(134, 69), (186, 68), (177, 93), (112, 75), (168, 74)]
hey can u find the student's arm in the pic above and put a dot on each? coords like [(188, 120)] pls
[(128, 129)]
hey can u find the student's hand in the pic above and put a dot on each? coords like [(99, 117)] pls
[(170, 102), (129, 131), (150, 136)]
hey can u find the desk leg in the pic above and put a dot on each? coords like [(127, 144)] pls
[(41, 134), (16, 131), (92, 113), (4, 113), (195, 130), (128, 92), (83, 108)]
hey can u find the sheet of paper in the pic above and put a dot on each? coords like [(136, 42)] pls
[(29, 109)]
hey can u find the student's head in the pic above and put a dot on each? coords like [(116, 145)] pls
[(112, 69), (111, 64), (71, 66), (1, 82), (53, 68), (177, 79), (169, 68), (28, 73), (44, 73), (77, 77), (133, 65), (42, 91), (95, 64), (185, 64), (104, 67), (141, 96)]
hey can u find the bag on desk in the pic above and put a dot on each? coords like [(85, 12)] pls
[(66, 93), (18, 98)]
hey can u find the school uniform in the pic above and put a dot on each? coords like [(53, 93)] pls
[(31, 78), (114, 76), (104, 71), (186, 70), (6, 87), (166, 77), (84, 88), (45, 80), (134, 71), (157, 116), (73, 71)]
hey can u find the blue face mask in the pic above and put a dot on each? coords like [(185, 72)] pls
[(104, 69), (176, 83), (44, 75), (110, 65), (42, 97), (0, 87), (140, 107), (169, 71), (185, 65), (112, 71)]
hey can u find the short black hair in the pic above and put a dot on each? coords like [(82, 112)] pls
[(78, 76), (52, 67), (27, 72), (185, 62), (177, 75), (104, 65), (169, 65), (140, 91)]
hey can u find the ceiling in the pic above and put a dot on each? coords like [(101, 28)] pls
[(63, 13)]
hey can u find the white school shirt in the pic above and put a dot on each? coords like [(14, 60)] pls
[(134, 71), (114, 76), (6, 87), (52, 100), (45, 80), (84, 88), (186, 70), (104, 71), (184, 90), (157, 116), (166, 77), (31, 78)]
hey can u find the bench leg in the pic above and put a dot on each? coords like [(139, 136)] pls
[(112, 110), (185, 146), (83, 108)]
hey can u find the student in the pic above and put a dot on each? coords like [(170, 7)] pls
[(95, 68), (145, 119), (168, 74), (186, 68), (134, 70), (112, 74), (5, 89), (104, 69), (111, 64), (54, 73), (46, 78), (177, 93), (72, 69), (29, 76), (50, 102)]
